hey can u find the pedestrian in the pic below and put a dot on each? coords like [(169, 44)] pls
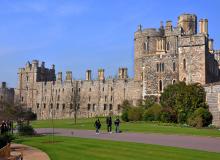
[(3, 127), (117, 123), (97, 126), (109, 124)]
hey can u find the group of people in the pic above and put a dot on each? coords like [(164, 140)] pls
[(6, 126), (109, 125)]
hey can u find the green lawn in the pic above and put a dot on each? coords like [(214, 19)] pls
[(67, 148), (145, 127)]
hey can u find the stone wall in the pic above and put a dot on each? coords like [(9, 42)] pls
[(213, 100)]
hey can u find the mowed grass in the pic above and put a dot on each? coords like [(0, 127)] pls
[(68, 148), (144, 127)]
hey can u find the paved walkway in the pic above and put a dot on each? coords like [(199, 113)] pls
[(29, 153), (191, 142)]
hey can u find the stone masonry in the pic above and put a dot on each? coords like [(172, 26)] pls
[(161, 57)]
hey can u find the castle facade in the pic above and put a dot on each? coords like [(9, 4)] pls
[(162, 56)]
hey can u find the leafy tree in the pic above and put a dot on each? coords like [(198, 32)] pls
[(153, 113), (183, 99)]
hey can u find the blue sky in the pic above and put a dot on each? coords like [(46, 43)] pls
[(86, 34)]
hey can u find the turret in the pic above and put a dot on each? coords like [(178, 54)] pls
[(88, 75), (59, 76), (211, 48), (35, 63), (101, 74), (203, 26), (3, 85), (122, 73), (169, 26), (68, 76), (188, 23)]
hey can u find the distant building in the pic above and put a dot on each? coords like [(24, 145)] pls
[(161, 57), (6, 95)]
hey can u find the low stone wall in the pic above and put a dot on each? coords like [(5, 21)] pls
[(213, 100)]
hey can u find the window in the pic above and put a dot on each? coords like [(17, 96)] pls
[(184, 64), (146, 46), (63, 89), (162, 67), (79, 89), (22, 99), (58, 97), (27, 78), (111, 98), (110, 107), (174, 66), (119, 107), (93, 107), (38, 105), (51, 106), (78, 106), (89, 107), (174, 81), (72, 89), (184, 79), (105, 98), (168, 46), (158, 67), (89, 98), (63, 106), (90, 89), (160, 86), (57, 105), (44, 105), (103, 89), (71, 106), (1, 97), (111, 89), (105, 107)]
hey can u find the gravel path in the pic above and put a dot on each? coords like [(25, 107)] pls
[(191, 142), (29, 153)]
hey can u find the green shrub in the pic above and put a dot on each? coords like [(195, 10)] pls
[(26, 130), (200, 118), (5, 139), (135, 114), (168, 115), (153, 113)]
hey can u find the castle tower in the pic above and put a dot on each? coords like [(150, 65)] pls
[(203, 26), (101, 74), (122, 73), (68, 76), (88, 75), (59, 76), (188, 23)]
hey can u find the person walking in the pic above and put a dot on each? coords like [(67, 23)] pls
[(109, 124), (3, 127), (117, 123), (97, 126)]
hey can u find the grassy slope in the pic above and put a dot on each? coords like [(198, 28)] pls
[(82, 149), (145, 127)]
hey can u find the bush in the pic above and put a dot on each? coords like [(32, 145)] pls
[(153, 113), (26, 130), (126, 106), (5, 139), (168, 115), (200, 118), (135, 114)]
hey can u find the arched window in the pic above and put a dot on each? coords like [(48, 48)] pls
[(174, 81), (168, 46), (146, 46), (184, 79), (160, 86), (184, 64), (174, 66)]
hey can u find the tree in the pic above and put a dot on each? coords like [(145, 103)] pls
[(183, 99)]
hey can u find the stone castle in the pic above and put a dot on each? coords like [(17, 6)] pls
[(161, 57)]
